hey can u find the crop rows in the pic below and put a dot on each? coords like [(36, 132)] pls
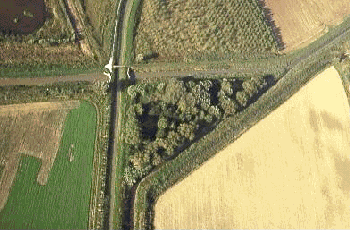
[(184, 28)]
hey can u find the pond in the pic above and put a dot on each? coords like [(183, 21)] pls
[(22, 16)]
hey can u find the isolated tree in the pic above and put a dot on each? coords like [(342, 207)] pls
[(138, 108), (186, 103), (173, 140), (214, 111), (259, 81), (206, 84), (130, 176), (135, 90)]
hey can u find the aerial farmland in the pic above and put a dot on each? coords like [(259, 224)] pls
[(48, 171), (295, 168), (174, 114), (301, 22)]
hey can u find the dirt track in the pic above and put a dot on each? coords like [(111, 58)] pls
[(55, 79)]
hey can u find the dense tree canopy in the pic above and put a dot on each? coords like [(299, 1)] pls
[(165, 118)]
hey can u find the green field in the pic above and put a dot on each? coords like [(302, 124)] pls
[(64, 202)]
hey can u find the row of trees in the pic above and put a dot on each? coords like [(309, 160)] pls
[(165, 118)]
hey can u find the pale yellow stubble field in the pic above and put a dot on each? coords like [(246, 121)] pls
[(303, 21), (291, 170)]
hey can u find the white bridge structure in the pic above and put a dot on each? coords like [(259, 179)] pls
[(109, 69)]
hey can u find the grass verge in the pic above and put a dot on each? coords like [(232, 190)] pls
[(48, 71)]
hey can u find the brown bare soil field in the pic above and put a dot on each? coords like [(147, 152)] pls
[(291, 170), (34, 129), (303, 21)]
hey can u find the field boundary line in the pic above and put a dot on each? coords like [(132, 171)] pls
[(96, 173)]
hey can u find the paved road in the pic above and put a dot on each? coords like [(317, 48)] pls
[(54, 79)]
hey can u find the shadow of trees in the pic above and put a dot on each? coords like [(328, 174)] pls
[(271, 22)]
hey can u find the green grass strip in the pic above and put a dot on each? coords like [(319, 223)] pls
[(22, 72)]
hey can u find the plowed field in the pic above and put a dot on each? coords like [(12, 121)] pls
[(302, 21)]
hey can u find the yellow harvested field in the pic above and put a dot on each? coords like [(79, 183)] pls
[(303, 21), (291, 170), (34, 129)]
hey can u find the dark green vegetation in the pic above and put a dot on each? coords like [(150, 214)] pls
[(166, 118), (203, 30), (60, 68), (64, 202), (26, 94)]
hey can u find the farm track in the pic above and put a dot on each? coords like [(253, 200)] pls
[(212, 72)]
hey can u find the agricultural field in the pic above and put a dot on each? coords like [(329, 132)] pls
[(41, 30), (33, 129), (62, 200), (186, 30), (294, 174), (303, 21)]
